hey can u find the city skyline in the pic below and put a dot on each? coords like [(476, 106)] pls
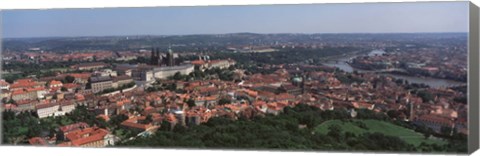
[(263, 19)]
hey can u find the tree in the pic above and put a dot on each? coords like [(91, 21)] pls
[(11, 101), (224, 101), (399, 81), (166, 126), (446, 131), (427, 135), (393, 113), (191, 103), (148, 118), (116, 120), (426, 96), (462, 99), (276, 132), (69, 79), (63, 89), (335, 131), (178, 76), (172, 87)]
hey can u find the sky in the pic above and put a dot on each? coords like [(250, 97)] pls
[(313, 18)]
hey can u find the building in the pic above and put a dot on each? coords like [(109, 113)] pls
[(363, 105), (126, 58), (165, 72), (4, 85), (71, 87), (65, 130), (24, 84), (65, 107), (37, 141), (193, 118), (220, 63), (199, 64), (290, 89), (142, 73), (156, 70), (25, 105), (206, 101), (89, 66), (205, 63), (55, 84), (120, 81), (106, 72), (157, 60), (81, 78), (89, 137), (170, 60), (435, 122), (54, 108), (124, 69), (180, 116), (139, 124), (4, 93), (100, 83), (47, 109), (150, 73), (23, 94)]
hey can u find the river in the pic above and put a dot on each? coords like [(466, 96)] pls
[(432, 82)]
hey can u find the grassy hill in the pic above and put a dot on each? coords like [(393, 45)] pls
[(386, 128)]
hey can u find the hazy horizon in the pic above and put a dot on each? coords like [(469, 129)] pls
[(153, 35), (356, 18)]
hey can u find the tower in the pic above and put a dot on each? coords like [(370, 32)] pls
[(303, 83), (411, 115), (153, 57), (159, 60), (170, 60), (411, 108)]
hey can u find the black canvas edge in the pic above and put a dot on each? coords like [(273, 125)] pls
[(473, 79)]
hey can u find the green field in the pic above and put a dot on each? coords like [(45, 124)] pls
[(386, 128)]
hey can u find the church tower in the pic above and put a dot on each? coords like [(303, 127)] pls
[(153, 57), (170, 59)]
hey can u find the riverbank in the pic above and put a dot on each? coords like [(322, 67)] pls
[(342, 63)]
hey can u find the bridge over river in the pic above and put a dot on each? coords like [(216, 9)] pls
[(342, 63)]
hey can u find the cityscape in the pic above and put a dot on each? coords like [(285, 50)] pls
[(372, 91)]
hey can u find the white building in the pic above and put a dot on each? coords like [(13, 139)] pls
[(165, 72), (150, 73), (4, 85), (54, 109), (106, 72), (220, 64)]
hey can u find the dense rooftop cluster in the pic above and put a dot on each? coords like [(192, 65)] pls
[(100, 99)]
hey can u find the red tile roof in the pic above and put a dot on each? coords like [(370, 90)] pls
[(4, 83), (74, 127), (81, 75), (85, 136), (79, 97), (46, 105), (133, 123), (435, 119), (70, 85), (37, 141), (18, 92), (198, 62), (55, 82), (23, 83)]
